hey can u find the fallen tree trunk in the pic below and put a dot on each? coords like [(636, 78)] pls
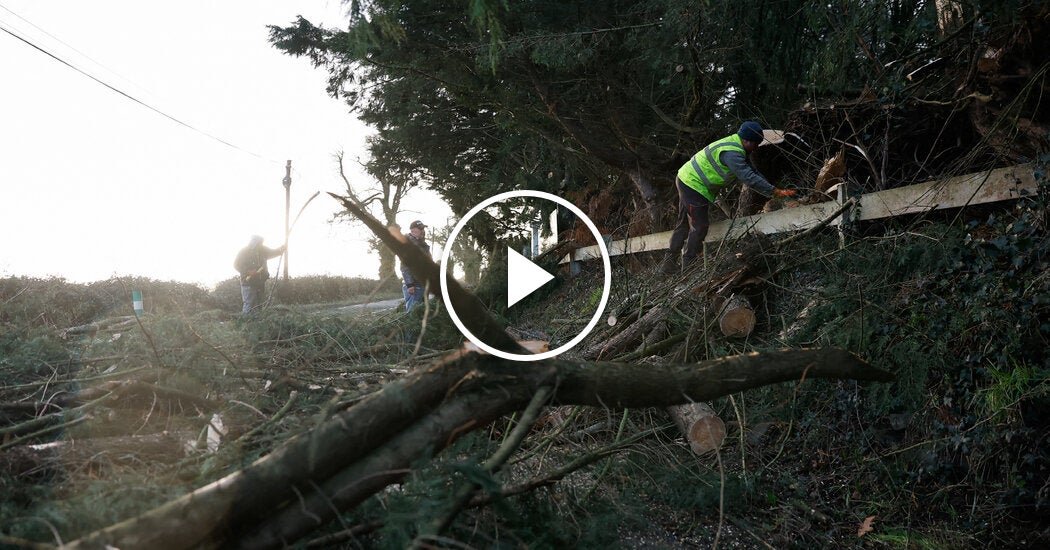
[(471, 311), (361, 450)]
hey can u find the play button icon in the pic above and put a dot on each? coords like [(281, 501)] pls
[(523, 277)]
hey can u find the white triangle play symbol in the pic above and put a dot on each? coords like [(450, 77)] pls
[(523, 277)]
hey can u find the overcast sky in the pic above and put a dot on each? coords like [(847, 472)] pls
[(95, 185)]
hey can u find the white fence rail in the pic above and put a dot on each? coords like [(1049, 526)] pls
[(978, 188)]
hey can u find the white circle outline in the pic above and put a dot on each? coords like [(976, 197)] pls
[(607, 283)]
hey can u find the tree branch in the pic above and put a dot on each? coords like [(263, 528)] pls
[(469, 308), (363, 449)]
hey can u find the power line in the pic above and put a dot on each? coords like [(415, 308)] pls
[(133, 98), (71, 47)]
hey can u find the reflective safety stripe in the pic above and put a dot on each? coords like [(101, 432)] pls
[(713, 158), (704, 173), (700, 172)]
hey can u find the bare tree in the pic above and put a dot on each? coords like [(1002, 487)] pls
[(385, 197)]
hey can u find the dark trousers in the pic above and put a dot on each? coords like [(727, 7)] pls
[(693, 221)]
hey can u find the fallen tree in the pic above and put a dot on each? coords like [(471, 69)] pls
[(368, 446), (360, 450)]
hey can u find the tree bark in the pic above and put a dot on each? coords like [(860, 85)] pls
[(360, 450), (644, 184)]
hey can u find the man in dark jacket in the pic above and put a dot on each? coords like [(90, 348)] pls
[(251, 264), (414, 288), (701, 179)]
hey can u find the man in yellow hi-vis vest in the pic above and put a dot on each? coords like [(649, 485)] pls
[(701, 179)]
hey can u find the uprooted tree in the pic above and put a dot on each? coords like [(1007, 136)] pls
[(360, 450)]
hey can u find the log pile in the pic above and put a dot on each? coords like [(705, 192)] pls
[(724, 288), (720, 293)]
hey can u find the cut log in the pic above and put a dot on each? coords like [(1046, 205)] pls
[(737, 318), (703, 429), (733, 270), (532, 346)]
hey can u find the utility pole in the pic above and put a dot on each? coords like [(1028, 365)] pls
[(287, 181)]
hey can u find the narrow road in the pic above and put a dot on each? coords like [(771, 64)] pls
[(371, 306)]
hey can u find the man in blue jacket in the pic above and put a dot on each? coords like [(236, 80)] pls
[(701, 179)]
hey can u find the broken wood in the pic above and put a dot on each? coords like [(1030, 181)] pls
[(115, 323), (831, 173), (125, 393), (40, 422)]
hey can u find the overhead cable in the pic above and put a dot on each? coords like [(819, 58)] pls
[(71, 47), (133, 98)]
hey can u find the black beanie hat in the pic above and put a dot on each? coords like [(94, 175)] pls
[(751, 131)]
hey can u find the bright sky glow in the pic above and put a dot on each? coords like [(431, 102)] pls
[(94, 185)]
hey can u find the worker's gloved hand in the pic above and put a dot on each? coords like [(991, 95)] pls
[(784, 192)]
